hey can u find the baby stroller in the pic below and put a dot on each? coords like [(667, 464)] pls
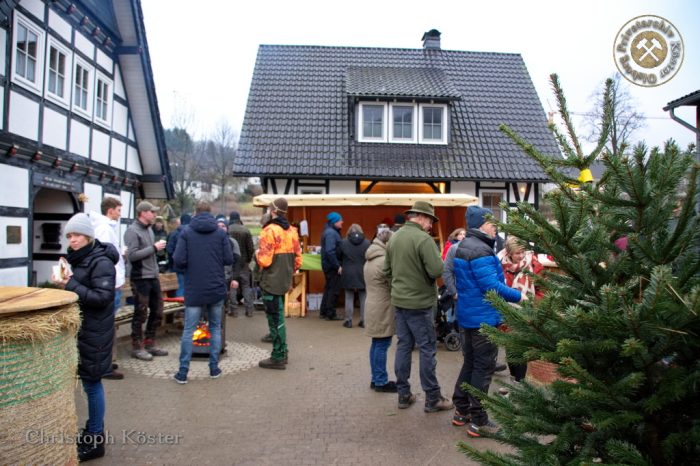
[(446, 328)]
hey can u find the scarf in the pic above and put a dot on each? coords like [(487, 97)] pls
[(518, 276)]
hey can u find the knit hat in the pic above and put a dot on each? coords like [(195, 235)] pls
[(234, 217), (279, 205), (185, 219), (80, 223), (476, 216), (222, 219), (334, 217)]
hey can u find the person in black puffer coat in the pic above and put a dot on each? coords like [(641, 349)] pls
[(351, 255), (92, 278)]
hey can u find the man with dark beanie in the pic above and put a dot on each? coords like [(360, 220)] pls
[(170, 248), (472, 270), (330, 242), (278, 257), (242, 273)]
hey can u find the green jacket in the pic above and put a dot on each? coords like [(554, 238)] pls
[(412, 265)]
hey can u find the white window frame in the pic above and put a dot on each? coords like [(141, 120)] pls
[(87, 112), (445, 124), (67, 78), (414, 123), (504, 198), (37, 84), (109, 98), (360, 129)]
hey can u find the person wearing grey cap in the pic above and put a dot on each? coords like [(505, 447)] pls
[(141, 253)]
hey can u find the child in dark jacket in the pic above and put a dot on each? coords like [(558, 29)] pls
[(351, 256), (91, 276)]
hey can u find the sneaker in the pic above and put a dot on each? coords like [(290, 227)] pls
[(347, 324), (270, 363), (90, 446), (142, 354), (180, 377), (459, 419), (406, 400), (441, 404), (477, 431), (389, 387), (215, 373), (155, 351), (115, 375), (267, 338)]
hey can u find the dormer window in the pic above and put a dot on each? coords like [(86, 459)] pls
[(398, 122)]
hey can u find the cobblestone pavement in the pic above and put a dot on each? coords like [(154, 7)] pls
[(320, 411)]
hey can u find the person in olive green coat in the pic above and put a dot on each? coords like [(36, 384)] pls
[(413, 265), (379, 313)]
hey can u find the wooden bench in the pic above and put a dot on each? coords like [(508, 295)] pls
[(171, 305)]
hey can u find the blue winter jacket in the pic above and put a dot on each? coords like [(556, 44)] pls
[(330, 242), (473, 269), (203, 249)]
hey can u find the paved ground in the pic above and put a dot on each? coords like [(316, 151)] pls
[(320, 411)]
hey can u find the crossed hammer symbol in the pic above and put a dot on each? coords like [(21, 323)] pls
[(655, 44)]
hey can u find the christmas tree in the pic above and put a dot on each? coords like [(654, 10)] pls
[(621, 324)]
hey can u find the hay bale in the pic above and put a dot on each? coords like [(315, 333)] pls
[(38, 362)]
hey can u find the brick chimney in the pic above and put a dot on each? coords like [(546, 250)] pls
[(431, 40)]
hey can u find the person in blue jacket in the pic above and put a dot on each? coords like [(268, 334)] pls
[(330, 242), (471, 270), (185, 220), (203, 250)]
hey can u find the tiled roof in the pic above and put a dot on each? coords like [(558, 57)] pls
[(398, 82), (298, 119), (692, 99)]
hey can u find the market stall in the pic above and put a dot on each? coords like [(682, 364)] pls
[(308, 212)]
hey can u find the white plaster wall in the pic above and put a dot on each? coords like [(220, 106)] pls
[(100, 147), (119, 84), (24, 116), (43, 270), (3, 44), (84, 45), (55, 129), (2, 99), (104, 61), (16, 276), (94, 194), (130, 134), (9, 251), (79, 139), (118, 154), (119, 119), (342, 187), (128, 207), (35, 7), (14, 180), (51, 201), (463, 187), (59, 25), (133, 164)]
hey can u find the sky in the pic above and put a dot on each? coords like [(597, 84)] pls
[(203, 53)]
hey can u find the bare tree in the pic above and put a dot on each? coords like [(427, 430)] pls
[(185, 165), (626, 119), (220, 151)]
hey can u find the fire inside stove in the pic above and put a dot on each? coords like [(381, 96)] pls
[(202, 335)]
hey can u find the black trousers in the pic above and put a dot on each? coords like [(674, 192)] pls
[(331, 291), (478, 367), (147, 296)]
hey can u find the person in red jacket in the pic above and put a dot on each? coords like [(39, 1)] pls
[(454, 238)]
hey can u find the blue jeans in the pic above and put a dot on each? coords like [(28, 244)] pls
[(117, 300), (180, 285), (96, 405), (478, 367), (192, 316), (377, 360), (415, 326)]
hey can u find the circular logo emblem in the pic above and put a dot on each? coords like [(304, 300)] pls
[(648, 50)]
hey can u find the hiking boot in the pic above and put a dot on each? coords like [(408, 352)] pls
[(270, 363), (406, 400), (441, 404), (142, 354), (155, 351), (389, 387), (181, 377), (477, 431), (267, 338), (115, 375), (215, 373), (347, 324), (459, 419), (91, 446)]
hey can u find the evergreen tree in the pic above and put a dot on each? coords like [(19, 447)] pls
[(621, 324)]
